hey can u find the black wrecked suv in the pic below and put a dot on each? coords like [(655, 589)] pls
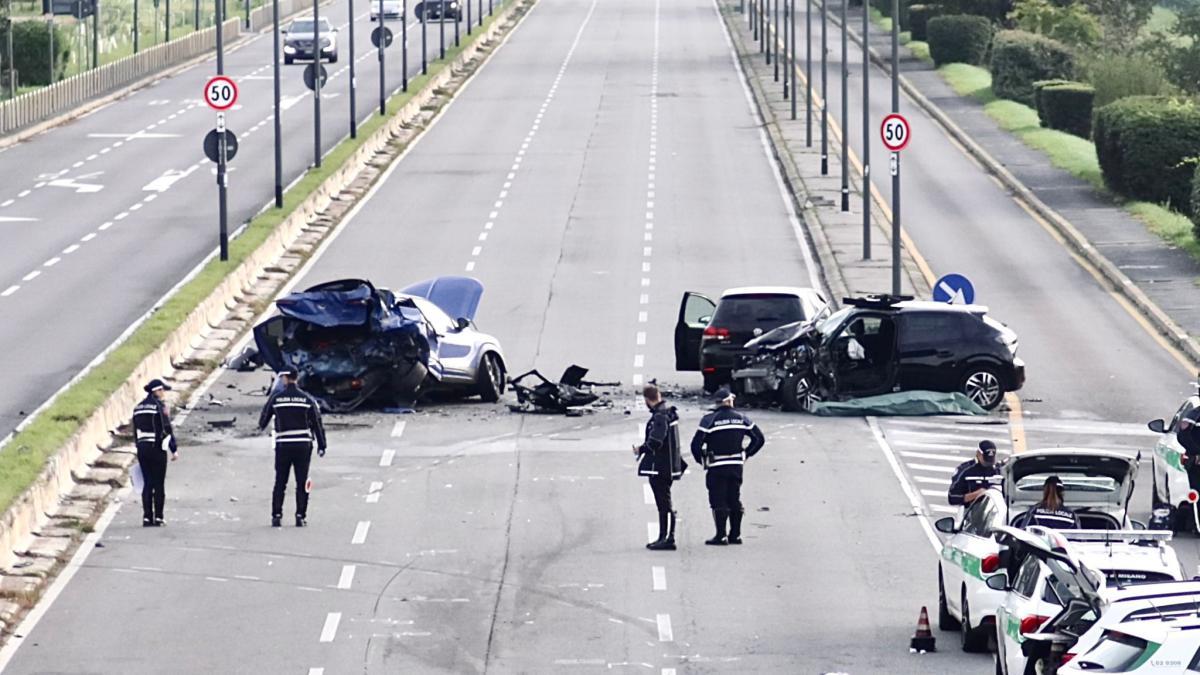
[(880, 344), (711, 336)]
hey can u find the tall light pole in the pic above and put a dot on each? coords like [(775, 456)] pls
[(458, 20), (845, 112), (96, 34), (317, 65), (866, 131), (424, 38), (403, 50), (895, 155), (278, 109), (824, 91), (442, 29), (136, 27), (222, 151), (353, 80), (808, 73)]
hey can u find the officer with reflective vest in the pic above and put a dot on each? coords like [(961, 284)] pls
[(154, 439), (659, 460), (719, 444), (297, 427), (974, 476)]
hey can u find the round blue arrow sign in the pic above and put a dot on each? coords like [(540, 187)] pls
[(954, 289)]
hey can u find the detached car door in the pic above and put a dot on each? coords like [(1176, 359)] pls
[(695, 312)]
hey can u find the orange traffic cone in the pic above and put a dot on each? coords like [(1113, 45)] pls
[(923, 640)]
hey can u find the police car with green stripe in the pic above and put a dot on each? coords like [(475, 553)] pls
[(1173, 497), (1097, 486), (1118, 559)]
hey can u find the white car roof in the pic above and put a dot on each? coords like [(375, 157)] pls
[(1095, 452), (1123, 556), (771, 290)]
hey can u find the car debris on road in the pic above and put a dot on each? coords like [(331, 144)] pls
[(568, 396)]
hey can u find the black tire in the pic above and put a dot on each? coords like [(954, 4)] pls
[(946, 620), (489, 381), (287, 61), (796, 393), (974, 641), (981, 383), (711, 383)]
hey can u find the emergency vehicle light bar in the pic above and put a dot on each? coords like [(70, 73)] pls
[(1116, 535)]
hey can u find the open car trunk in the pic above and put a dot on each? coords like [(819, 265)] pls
[(1096, 481)]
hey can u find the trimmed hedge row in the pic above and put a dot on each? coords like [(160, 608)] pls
[(918, 19), (1019, 59), (1067, 106), (1145, 145), (959, 38), (31, 48)]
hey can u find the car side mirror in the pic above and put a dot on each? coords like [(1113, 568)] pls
[(1157, 426), (463, 323), (945, 525), (998, 582)]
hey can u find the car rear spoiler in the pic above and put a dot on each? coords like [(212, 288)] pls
[(1128, 536)]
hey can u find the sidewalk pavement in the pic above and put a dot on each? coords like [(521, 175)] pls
[(837, 235)]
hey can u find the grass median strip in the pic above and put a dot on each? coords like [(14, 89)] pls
[(23, 459), (1071, 153)]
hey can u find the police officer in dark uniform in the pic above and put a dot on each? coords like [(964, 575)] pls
[(659, 459), (297, 426), (718, 445), (1188, 434), (973, 477), (1051, 511), (154, 438)]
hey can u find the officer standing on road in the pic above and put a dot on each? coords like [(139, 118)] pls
[(660, 460), (154, 438), (718, 445), (973, 477), (297, 425)]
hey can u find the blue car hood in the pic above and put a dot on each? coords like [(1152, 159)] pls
[(456, 296), (330, 307)]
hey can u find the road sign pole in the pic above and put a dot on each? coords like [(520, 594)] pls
[(353, 80), (404, 48), (458, 20), (866, 130), (220, 36), (317, 49), (787, 51), (12, 70), (808, 78), (896, 164), (792, 66), (845, 112), (824, 90), (222, 187), (424, 40), (442, 29), (278, 110), (136, 28), (469, 17), (96, 35)]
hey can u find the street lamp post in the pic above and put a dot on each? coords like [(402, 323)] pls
[(136, 28), (353, 79), (50, 27), (424, 38), (317, 49), (845, 112), (866, 132), (403, 51), (808, 74), (895, 155), (824, 91), (442, 29), (278, 110)]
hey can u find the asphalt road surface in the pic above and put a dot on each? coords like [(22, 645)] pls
[(123, 202), (603, 162)]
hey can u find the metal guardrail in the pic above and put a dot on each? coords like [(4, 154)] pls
[(59, 97)]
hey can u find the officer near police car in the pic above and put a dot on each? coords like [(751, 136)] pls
[(973, 477), (297, 426), (720, 445), (154, 438)]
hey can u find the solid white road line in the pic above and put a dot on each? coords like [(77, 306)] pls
[(360, 532), (932, 481), (933, 446), (664, 628), (647, 493), (913, 499), (398, 429), (659, 575), (329, 631), (388, 455), (927, 467), (347, 577)]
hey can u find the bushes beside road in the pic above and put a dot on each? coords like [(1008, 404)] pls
[(959, 38), (1019, 59), (31, 45), (1147, 146)]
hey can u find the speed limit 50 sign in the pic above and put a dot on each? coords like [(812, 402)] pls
[(220, 93), (895, 132)]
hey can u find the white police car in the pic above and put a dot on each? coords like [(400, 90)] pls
[(1172, 498), (1121, 558), (1166, 600), (1149, 646), (1097, 485)]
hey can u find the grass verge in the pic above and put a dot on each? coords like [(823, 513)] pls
[(26, 454), (1071, 153)]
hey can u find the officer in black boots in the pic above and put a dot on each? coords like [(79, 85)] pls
[(719, 446), (297, 426), (660, 460), (154, 438)]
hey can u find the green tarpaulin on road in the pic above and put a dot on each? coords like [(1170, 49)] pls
[(900, 403)]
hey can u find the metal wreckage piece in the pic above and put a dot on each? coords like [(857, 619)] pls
[(567, 396)]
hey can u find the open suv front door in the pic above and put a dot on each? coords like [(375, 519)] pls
[(859, 357), (695, 312)]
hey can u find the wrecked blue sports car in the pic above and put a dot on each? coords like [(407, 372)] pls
[(352, 342)]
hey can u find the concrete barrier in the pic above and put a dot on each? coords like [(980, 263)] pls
[(31, 509)]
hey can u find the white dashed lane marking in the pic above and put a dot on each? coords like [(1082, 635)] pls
[(386, 458), (347, 577), (664, 628), (398, 429), (360, 532), (373, 492), (659, 576), (329, 630)]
